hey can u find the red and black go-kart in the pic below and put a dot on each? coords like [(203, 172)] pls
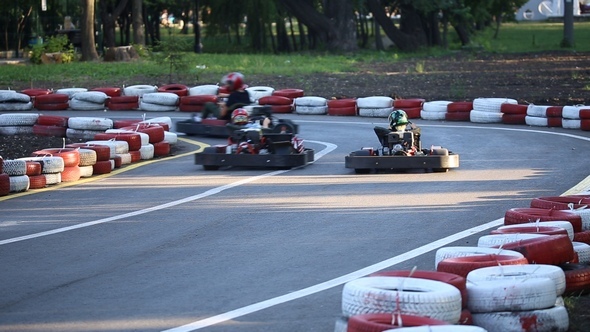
[(275, 147), (401, 150), (219, 128)]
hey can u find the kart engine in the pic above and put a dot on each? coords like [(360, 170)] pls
[(398, 142)]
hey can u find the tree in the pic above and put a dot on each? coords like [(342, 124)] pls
[(138, 27), (87, 30)]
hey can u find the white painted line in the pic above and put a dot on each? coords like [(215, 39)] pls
[(329, 147)]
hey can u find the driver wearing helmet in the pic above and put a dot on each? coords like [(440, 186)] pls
[(237, 97), (240, 117), (398, 121)]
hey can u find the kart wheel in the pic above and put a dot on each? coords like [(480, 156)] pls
[(284, 127), (210, 150), (210, 167)]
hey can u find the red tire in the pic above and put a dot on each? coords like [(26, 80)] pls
[(118, 124), (275, 100), (101, 167), (111, 92), (466, 318), (53, 98), (585, 114), (103, 152), (155, 132), (513, 118), (52, 107), (342, 111), (413, 112), (458, 116), (527, 215), (554, 122), (135, 156), (70, 156), (582, 236), (132, 139), (463, 265), (4, 184), (178, 89), (33, 168), (560, 202), (382, 322), (281, 108), (408, 103), (36, 92), (535, 250), (554, 111), (577, 279), (341, 103), (123, 100), (161, 149), (70, 174), (507, 108), (122, 106), (198, 99), (289, 93), (190, 108), (118, 161), (52, 120), (37, 181), (52, 131), (460, 106), (531, 229), (585, 124)]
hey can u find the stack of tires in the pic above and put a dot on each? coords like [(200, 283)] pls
[(459, 111), (278, 104), (52, 102), (51, 125), (4, 180), (109, 91), (71, 161), (118, 152), (434, 110), (289, 93), (34, 92), (17, 178), (257, 92), (205, 89), (585, 119), (139, 90), (159, 102), (311, 105), (375, 106), (536, 116), (571, 116), (17, 123), (88, 101), (180, 90), (134, 142), (14, 101), (85, 128), (513, 113), (196, 103), (70, 92), (51, 167), (488, 110), (100, 164), (342, 107), (412, 106)]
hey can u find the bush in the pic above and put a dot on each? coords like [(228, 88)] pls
[(55, 44)]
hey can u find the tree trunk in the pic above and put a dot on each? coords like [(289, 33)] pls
[(138, 28), (87, 30), (109, 21), (403, 40), (198, 47)]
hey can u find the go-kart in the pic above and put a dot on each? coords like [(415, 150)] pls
[(275, 147), (401, 150), (223, 128)]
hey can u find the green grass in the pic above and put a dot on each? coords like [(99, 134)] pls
[(513, 37)]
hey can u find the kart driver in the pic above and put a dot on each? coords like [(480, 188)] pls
[(236, 98), (239, 117)]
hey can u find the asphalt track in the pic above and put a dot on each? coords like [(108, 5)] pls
[(167, 246)]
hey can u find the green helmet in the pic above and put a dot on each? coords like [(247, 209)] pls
[(398, 118)]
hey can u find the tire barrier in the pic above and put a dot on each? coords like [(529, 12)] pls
[(180, 90)]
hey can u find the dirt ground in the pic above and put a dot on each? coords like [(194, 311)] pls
[(549, 78)]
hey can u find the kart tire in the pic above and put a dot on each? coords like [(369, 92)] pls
[(485, 117), (18, 119), (375, 102), (93, 97), (51, 107), (361, 153), (281, 108), (463, 265), (457, 116), (53, 98), (33, 93), (70, 156), (274, 100), (571, 123), (514, 118), (385, 322), (180, 90), (561, 202), (527, 215), (530, 229), (342, 111), (122, 106), (70, 92), (495, 240), (33, 168), (51, 131), (139, 90), (52, 120), (161, 98), (491, 105), (583, 251), (37, 181), (535, 121), (375, 112), (4, 184), (257, 92), (206, 89), (289, 93), (535, 249), (460, 107), (19, 183), (554, 319), (408, 103), (109, 91), (577, 278)]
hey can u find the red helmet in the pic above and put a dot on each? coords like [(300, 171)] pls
[(233, 81), (239, 116)]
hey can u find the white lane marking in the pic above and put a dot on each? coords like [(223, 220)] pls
[(334, 282), (329, 147)]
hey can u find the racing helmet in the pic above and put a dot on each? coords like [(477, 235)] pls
[(398, 119), (239, 116), (233, 81)]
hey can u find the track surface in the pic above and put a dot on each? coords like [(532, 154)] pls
[(167, 245)]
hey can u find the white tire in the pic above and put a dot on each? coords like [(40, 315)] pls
[(87, 157), (19, 183), (52, 178), (257, 92), (452, 252), (583, 251), (428, 115), (439, 328), (375, 112), (117, 147), (409, 296), (311, 110), (436, 106), (161, 119), (95, 97), (563, 224), (70, 91), (571, 124), (16, 167), (17, 107), (491, 105), (207, 89), (170, 137), (511, 295), (139, 90), (11, 96), (571, 112), (125, 158), (90, 123), (161, 98), (49, 165), (374, 102), (80, 105), (146, 152), (485, 117), (18, 119), (554, 319), (149, 107), (519, 272), (537, 111), (536, 121), (82, 134), (584, 215), (16, 130), (492, 240), (86, 171), (310, 101)]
